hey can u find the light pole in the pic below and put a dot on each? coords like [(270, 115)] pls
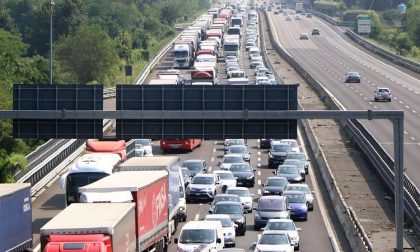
[(51, 39)]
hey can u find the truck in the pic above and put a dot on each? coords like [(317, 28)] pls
[(183, 53), (85, 170), (237, 20), (204, 76), (235, 30), (117, 147), (171, 74), (176, 193), (15, 217), (98, 227), (231, 45), (299, 7)]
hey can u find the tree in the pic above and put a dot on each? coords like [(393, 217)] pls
[(88, 55), (71, 13), (403, 43), (124, 43), (413, 21)]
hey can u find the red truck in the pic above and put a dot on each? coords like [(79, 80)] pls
[(117, 147), (99, 227), (148, 191)]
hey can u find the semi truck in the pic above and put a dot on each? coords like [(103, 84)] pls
[(299, 7), (85, 170), (148, 190), (98, 227), (183, 53), (231, 45), (117, 147), (15, 217), (204, 76)]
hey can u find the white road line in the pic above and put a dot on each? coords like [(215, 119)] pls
[(259, 159), (259, 153), (259, 191), (258, 165), (214, 150), (197, 216), (405, 132), (215, 142), (259, 173), (259, 182), (210, 168), (412, 138), (212, 159)]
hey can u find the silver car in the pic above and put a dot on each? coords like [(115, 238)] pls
[(244, 195), (301, 156), (382, 94), (286, 225), (309, 195)]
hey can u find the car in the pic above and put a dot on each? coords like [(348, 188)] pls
[(270, 207), (230, 159), (277, 153), (256, 56), (382, 94), (237, 74), (265, 143), (291, 172), (276, 12), (195, 234), (303, 36), (145, 146), (232, 68), (195, 166), (264, 82), (352, 76), (261, 71), (254, 50), (298, 205), (255, 62), (315, 31), (275, 185), (300, 165), (231, 58), (224, 197), (249, 44), (228, 142), (236, 213), (272, 78), (228, 225), (288, 18), (241, 150), (202, 187), (308, 15), (301, 156), (186, 176), (308, 193), (244, 195), (226, 179), (286, 225), (243, 173), (293, 142), (261, 79), (297, 17), (231, 250)]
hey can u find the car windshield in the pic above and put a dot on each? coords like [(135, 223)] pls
[(202, 180), (280, 148), (226, 222), (240, 193), (299, 188), (271, 205), (225, 198), (239, 168), (227, 209), (185, 172), (225, 176), (287, 170), (274, 239), (353, 74), (277, 182), (296, 198), (231, 159), (192, 166), (295, 155), (236, 141), (238, 149), (280, 226), (383, 90), (291, 142), (197, 236), (143, 142), (296, 162)]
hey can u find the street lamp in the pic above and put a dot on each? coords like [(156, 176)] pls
[(51, 39)]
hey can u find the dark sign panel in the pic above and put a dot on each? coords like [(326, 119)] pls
[(57, 97)]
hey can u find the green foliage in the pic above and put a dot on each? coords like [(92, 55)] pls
[(88, 55), (413, 21), (124, 44), (402, 43)]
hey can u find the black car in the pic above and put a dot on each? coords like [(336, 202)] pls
[(236, 213), (291, 172), (195, 166), (275, 185), (244, 174), (230, 142), (186, 176), (277, 153)]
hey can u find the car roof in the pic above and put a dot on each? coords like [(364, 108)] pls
[(298, 185), (287, 166), (276, 178), (229, 203), (193, 160), (274, 232), (281, 220), (271, 197), (232, 155), (292, 192), (217, 216), (238, 188), (226, 195), (204, 175)]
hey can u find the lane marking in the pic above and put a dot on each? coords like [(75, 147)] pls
[(259, 173), (214, 150), (259, 191), (210, 168), (212, 159), (259, 182), (197, 216)]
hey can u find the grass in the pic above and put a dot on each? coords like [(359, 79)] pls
[(391, 49)]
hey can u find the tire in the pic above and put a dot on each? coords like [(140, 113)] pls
[(256, 228), (297, 247)]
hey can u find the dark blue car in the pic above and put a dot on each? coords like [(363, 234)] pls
[(297, 204), (353, 77)]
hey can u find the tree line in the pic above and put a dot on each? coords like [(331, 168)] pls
[(93, 41)]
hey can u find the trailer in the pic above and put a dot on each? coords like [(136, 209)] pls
[(15, 217), (149, 191), (99, 227)]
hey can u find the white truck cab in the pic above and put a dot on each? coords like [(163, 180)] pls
[(205, 235)]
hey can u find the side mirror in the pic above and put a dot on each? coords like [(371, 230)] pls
[(313, 192), (219, 163), (254, 170), (298, 229), (252, 195), (274, 172), (250, 152), (211, 211), (176, 240), (244, 211), (63, 180), (218, 240)]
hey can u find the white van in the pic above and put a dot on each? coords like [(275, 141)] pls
[(205, 235)]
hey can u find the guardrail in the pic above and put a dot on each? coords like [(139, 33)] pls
[(354, 232)]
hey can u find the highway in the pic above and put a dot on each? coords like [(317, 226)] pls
[(329, 57)]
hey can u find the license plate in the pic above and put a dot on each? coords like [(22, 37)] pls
[(175, 145), (197, 194)]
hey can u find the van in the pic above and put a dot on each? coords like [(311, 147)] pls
[(205, 235)]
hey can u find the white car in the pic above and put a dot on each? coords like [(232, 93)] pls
[(244, 195), (230, 159), (274, 240), (382, 94), (226, 178), (309, 195), (285, 225), (228, 227), (203, 186), (293, 142), (145, 146)]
